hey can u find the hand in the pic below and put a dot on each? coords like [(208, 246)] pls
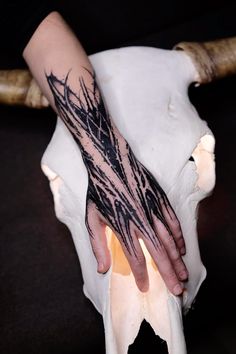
[(124, 195), (121, 193)]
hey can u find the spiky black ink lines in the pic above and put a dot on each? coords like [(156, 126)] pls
[(121, 188)]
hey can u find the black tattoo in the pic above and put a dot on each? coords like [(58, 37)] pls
[(120, 187)]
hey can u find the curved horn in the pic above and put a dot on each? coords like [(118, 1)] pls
[(17, 87), (213, 60)]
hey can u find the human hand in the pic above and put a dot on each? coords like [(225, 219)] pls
[(121, 193), (124, 195)]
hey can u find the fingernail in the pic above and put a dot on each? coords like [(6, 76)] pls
[(178, 290), (100, 268), (183, 251), (183, 275)]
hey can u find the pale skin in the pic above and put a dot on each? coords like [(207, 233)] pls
[(121, 193)]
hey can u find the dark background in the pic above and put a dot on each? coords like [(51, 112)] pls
[(42, 306)]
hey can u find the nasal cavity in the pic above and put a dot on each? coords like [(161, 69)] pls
[(148, 342)]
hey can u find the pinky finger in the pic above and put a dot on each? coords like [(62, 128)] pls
[(174, 226)]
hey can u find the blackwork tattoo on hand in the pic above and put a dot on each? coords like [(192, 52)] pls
[(122, 189)]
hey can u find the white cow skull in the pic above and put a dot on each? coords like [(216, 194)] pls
[(146, 91)]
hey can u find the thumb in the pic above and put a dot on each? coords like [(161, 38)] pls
[(96, 229)]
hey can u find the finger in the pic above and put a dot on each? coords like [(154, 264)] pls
[(136, 259), (168, 274), (164, 265), (96, 230), (171, 249), (174, 225)]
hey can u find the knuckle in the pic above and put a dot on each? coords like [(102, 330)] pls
[(175, 257), (178, 235), (173, 251), (170, 277), (177, 228), (163, 234), (179, 265), (171, 243)]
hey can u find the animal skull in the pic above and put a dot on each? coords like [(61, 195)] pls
[(146, 91)]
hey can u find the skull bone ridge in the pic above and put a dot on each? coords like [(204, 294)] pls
[(146, 92)]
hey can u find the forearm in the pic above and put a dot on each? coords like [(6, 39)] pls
[(54, 48), (63, 71)]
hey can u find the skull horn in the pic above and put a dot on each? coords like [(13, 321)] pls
[(213, 60), (17, 87)]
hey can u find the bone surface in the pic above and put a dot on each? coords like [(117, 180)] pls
[(146, 92)]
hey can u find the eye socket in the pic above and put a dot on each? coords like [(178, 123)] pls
[(203, 159)]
